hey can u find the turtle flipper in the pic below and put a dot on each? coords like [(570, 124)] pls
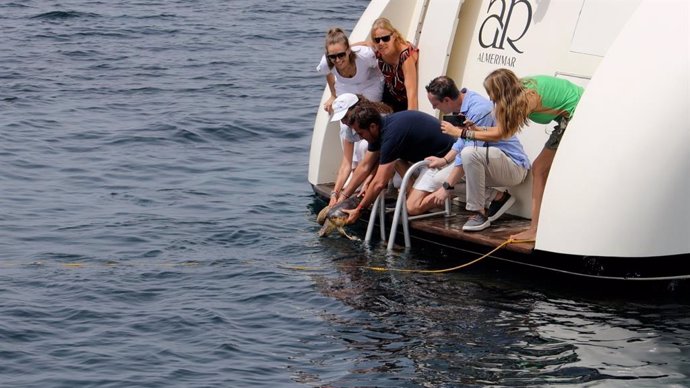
[(321, 218), (326, 229), (344, 233)]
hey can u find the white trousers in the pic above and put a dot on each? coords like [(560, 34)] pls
[(484, 171)]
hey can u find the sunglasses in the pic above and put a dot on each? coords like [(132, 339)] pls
[(383, 38), (333, 57)]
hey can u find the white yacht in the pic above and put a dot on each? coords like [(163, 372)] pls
[(619, 187)]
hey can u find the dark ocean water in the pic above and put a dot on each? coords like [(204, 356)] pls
[(154, 196)]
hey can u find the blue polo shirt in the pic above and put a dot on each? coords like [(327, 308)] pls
[(478, 109)]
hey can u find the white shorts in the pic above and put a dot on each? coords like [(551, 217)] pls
[(431, 179)]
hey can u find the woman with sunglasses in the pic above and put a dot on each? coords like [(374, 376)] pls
[(349, 71), (397, 59)]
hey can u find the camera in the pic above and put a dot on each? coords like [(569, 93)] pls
[(457, 120)]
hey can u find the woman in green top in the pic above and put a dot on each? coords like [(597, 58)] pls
[(541, 99)]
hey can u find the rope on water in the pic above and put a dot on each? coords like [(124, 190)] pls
[(507, 242), (384, 269)]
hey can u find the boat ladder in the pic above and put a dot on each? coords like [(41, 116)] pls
[(400, 215)]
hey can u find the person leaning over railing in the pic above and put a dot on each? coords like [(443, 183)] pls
[(397, 60), (408, 135), (342, 106), (349, 71)]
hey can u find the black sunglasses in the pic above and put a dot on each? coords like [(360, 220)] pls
[(333, 57), (383, 38)]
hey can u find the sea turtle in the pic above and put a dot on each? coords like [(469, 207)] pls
[(335, 218)]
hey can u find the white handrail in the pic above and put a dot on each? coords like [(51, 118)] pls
[(401, 208), (379, 207)]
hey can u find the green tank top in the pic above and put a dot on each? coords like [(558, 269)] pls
[(557, 94)]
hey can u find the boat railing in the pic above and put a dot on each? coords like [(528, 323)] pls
[(400, 214)]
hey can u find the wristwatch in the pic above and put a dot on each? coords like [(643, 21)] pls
[(448, 186)]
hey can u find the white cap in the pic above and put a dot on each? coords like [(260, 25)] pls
[(342, 104)]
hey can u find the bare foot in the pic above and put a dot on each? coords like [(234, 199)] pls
[(528, 235)]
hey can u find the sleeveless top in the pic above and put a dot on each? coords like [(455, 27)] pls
[(395, 79), (557, 94)]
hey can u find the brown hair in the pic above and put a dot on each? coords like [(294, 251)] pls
[(442, 87), (509, 95), (364, 113), (378, 106), (336, 35)]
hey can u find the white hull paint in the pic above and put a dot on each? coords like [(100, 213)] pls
[(625, 162), (620, 184)]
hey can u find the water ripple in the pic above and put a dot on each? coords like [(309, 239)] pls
[(60, 15), (155, 212)]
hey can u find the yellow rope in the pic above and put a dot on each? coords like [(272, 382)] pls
[(384, 269), (379, 269)]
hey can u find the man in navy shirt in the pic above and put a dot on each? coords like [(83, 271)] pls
[(408, 135)]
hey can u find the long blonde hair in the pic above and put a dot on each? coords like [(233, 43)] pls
[(334, 36), (510, 97), (385, 24)]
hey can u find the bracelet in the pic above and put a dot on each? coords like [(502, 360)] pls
[(334, 193), (463, 134), (446, 160), (359, 207)]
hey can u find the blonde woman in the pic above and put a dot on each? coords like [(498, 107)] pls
[(397, 60), (542, 99)]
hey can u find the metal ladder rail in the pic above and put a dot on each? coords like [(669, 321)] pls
[(401, 209), (379, 207)]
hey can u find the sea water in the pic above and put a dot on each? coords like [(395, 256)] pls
[(157, 227)]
